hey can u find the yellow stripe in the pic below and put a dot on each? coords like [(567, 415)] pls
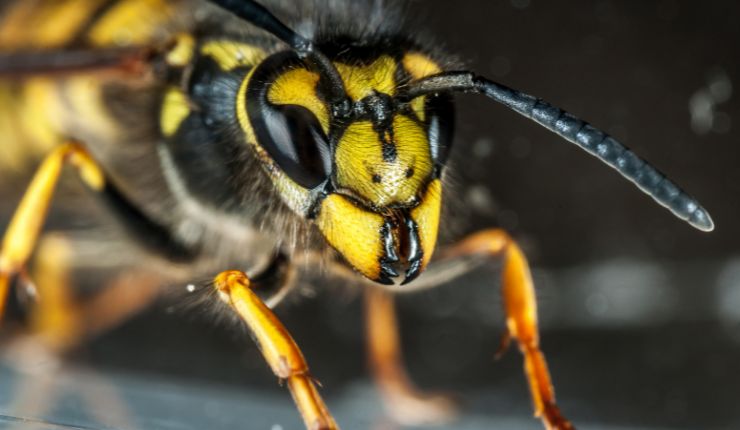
[(18, 147), (132, 22), (38, 101), (175, 109), (182, 53), (241, 108), (230, 55), (45, 24)]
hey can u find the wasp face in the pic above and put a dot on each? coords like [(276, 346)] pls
[(370, 179)]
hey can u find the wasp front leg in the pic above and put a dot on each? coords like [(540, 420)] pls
[(23, 232), (520, 305), (277, 346)]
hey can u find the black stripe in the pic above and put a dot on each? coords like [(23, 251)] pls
[(153, 236)]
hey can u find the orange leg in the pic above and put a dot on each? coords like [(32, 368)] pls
[(56, 317), (125, 296), (60, 320), (277, 346), (520, 305), (402, 400), (60, 323), (25, 226)]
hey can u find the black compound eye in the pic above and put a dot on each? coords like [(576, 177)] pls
[(440, 119), (294, 139)]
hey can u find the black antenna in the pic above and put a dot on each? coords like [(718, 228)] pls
[(258, 15), (576, 131)]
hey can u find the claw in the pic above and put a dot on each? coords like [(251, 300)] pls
[(415, 254)]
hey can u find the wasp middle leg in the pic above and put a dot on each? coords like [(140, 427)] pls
[(277, 346), (63, 321), (402, 400)]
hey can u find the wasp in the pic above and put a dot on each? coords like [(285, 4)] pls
[(220, 135)]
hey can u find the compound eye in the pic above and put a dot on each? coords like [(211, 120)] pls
[(294, 139), (440, 119)]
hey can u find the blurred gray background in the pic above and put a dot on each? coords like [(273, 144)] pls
[(640, 313)]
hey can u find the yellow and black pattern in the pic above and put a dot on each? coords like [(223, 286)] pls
[(39, 110), (234, 128), (217, 96), (218, 134)]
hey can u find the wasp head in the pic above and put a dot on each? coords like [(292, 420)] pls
[(367, 169)]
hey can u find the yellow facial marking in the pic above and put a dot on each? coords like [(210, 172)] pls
[(298, 87), (230, 55), (361, 81), (360, 165), (354, 232), (175, 109), (419, 65), (182, 53), (418, 105), (426, 216), (132, 22)]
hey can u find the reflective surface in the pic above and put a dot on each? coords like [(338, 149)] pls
[(640, 313)]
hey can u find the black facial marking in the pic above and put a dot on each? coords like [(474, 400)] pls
[(387, 272), (389, 148), (414, 252)]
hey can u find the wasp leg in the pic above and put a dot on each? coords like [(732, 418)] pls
[(60, 320), (125, 296), (521, 317), (55, 322), (277, 346), (402, 400), (61, 323), (25, 226), (56, 317)]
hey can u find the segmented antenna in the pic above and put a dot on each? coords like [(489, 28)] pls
[(576, 131), (258, 15)]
